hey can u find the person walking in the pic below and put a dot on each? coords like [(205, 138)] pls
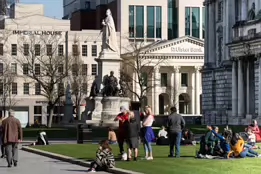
[(175, 125), (1, 139), (12, 135)]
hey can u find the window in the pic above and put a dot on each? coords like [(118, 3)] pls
[(38, 110), (37, 50), (144, 78), (172, 20), (26, 49), (61, 89), (37, 89), (195, 21), (14, 49), (84, 69), (74, 69), (184, 79), (75, 50), (1, 68), (220, 11), (49, 50), (60, 50), (37, 69), (14, 88), (1, 88), (94, 69), (94, 50), (203, 22), (139, 21), (60, 68), (150, 22), (187, 20), (84, 50), (84, 88), (14, 68), (26, 88), (131, 21), (87, 4), (1, 49), (158, 22), (164, 79), (25, 69)]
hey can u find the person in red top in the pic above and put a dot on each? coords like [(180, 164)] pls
[(122, 118)]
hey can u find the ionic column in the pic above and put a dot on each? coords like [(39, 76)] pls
[(156, 93), (176, 87), (244, 6), (192, 102), (234, 89), (259, 89), (241, 92), (197, 87), (172, 90)]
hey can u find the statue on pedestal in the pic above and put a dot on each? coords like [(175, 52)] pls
[(110, 86), (251, 12), (94, 89), (123, 85), (109, 37)]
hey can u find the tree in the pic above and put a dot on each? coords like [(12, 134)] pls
[(79, 77), (42, 60), (138, 70)]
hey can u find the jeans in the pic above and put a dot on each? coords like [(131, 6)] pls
[(248, 152), (147, 146), (248, 146), (175, 138)]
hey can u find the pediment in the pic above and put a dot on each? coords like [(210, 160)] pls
[(182, 45)]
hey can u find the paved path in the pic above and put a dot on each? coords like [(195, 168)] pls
[(30, 163)]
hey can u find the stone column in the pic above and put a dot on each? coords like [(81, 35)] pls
[(257, 3), (241, 91), (176, 87), (193, 86), (197, 87), (212, 37), (244, 6), (259, 89), (248, 88), (234, 89), (156, 93), (206, 48), (172, 90)]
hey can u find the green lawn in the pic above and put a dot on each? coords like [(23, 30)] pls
[(187, 164)]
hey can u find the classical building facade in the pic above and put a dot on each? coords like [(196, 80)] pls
[(231, 73)]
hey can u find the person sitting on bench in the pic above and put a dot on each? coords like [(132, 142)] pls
[(162, 137)]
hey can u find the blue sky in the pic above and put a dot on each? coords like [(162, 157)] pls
[(52, 8)]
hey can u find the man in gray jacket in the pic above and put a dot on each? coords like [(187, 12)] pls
[(175, 125)]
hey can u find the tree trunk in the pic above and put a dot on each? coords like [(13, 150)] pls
[(50, 116)]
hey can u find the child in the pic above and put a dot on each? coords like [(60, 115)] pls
[(112, 136), (104, 158), (132, 136), (251, 141)]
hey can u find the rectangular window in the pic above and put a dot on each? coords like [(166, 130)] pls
[(131, 21), (203, 22), (37, 69), (187, 21), (195, 21), (1, 68), (61, 89), (139, 21), (150, 22), (60, 50), (1, 49), (158, 22), (84, 50), (14, 88), (84, 88), (84, 69), (38, 110), (14, 68), (75, 70), (94, 50), (164, 79), (26, 88), (75, 50), (37, 89), (94, 69), (14, 49), (37, 50), (25, 69), (144, 78), (184, 79), (49, 50), (26, 49), (2, 88), (60, 68)]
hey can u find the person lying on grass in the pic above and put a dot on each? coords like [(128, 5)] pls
[(104, 158), (239, 150)]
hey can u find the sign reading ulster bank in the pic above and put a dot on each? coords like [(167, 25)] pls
[(24, 32), (186, 50)]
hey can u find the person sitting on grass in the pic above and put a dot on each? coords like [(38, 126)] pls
[(41, 139), (251, 140), (112, 138), (187, 138), (208, 142), (132, 136), (104, 158), (162, 137)]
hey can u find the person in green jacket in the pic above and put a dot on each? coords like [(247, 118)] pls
[(211, 140)]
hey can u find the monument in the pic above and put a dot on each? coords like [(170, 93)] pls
[(107, 95)]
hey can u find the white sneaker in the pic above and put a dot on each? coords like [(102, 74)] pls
[(91, 170), (150, 158), (259, 156)]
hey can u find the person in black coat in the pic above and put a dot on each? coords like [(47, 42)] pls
[(187, 137), (132, 136)]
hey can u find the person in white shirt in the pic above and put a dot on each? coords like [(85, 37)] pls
[(163, 133), (162, 137)]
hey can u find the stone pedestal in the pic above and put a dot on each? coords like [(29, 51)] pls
[(97, 108)]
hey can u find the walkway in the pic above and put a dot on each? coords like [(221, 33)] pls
[(34, 164)]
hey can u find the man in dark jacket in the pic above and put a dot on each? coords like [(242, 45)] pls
[(175, 125)]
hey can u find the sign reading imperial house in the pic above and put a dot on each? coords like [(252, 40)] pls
[(186, 50), (24, 32)]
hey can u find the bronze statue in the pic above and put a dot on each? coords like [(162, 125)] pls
[(123, 90), (94, 89), (110, 85), (251, 12)]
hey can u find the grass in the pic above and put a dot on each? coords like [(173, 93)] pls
[(187, 164)]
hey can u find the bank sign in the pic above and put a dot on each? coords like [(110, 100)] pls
[(186, 50), (24, 32)]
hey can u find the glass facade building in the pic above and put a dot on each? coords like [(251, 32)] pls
[(172, 20), (150, 22), (195, 21), (192, 22)]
